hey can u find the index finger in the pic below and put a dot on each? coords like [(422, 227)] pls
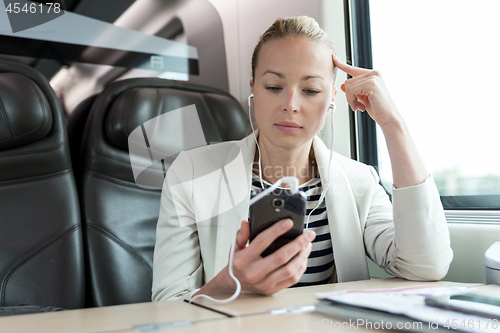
[(243, 235), (351, 70), (267, 236)]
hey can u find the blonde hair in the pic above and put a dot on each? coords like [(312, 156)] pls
[(300, 26)]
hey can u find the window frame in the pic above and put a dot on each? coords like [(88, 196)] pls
[(363, 129)]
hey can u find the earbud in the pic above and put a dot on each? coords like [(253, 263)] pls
[(333, 107), (249, 98)]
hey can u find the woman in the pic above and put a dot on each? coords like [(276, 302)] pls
[(293, 87)]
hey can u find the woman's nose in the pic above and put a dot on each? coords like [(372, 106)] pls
[(290, 103)]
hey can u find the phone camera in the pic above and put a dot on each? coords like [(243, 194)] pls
[(278, 203)]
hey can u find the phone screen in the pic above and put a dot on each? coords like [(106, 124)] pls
[(477, 299)]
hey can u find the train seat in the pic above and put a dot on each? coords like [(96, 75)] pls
[(41, 245), (120, 216)]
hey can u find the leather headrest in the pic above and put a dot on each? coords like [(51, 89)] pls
[(136, 106), (25, 114)]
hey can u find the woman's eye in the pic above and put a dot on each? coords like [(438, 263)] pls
[(312, 91), (273, 88)]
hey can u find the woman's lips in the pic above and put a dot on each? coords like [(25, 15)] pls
[(289, 127)]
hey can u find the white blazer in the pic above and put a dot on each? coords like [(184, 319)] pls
[(198, 219)]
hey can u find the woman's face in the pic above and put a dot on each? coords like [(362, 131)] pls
[(292, 91)]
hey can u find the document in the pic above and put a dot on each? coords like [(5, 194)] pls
[(409, 302)]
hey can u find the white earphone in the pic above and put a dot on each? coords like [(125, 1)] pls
[(293, 182), (255, 138), (333, 107)]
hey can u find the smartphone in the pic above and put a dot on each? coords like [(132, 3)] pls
[(471, 303), (274, 207)]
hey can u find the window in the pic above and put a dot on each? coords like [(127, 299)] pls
[(439, 61)]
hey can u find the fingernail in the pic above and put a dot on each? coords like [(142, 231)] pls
[(310, 235), (287, 223)]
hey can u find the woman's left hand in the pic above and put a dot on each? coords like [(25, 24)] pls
[(366, 91)]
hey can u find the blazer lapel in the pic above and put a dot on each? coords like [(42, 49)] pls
[(343, 219), (238, 166)]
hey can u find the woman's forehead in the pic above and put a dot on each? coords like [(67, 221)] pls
[(295, 55)]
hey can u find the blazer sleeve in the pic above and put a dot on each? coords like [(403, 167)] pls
[(177, 264), (409, 239)]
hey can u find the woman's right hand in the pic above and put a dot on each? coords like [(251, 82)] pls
[(268, 275), (276, 271)]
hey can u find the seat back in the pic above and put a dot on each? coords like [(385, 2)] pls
[(119, 216), (41, 246)]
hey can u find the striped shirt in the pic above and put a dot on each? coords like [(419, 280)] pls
[(320, 264)]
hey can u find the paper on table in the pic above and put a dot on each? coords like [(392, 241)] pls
[(410, 302)]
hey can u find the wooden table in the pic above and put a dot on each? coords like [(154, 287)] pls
[(249, 313), (255, 304), (119, 318)]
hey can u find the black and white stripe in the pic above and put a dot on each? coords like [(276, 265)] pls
[(320, 264)]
